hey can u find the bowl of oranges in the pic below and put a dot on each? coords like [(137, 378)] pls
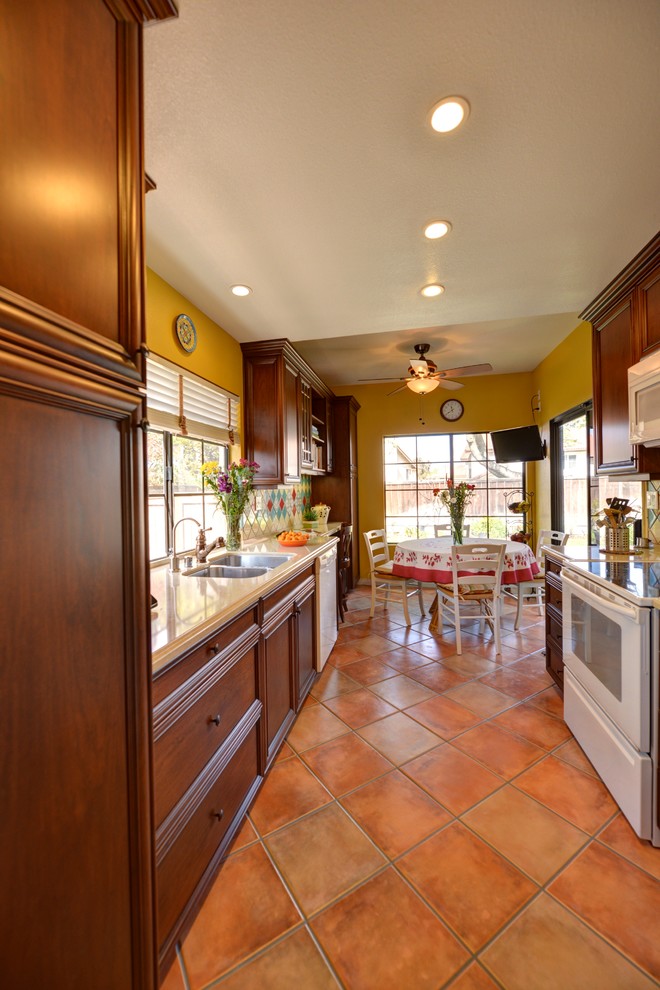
[(293, 538)]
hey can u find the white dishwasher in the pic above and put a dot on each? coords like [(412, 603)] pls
[(326, 604)]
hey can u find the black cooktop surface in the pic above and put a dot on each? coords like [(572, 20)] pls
[(635, 578)]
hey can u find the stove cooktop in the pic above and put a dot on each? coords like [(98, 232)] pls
[(634, 579)]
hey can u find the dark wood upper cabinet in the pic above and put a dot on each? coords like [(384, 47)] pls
[(76, 830), (625, 318)]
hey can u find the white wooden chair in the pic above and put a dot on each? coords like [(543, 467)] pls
[(535, 589), (444, 529), (476, 589), (385, 585)]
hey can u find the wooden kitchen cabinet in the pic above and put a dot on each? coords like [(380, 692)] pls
[(554, 663), (339, 490), (76, 829), (287, 424), (625, 319)]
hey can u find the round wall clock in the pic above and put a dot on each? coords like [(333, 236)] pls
[(186, 333), (451, 410)]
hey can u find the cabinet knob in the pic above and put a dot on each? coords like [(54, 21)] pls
[(216, 719), (219, 815), (297, 610), (215, 648)]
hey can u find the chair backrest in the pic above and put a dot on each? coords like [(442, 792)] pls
[(344, 547), (444, 529), (549, 538), (377, 548), (477, 564)]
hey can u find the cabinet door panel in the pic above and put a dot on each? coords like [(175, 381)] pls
[(279, 701), (612, 358), (305, 645), (650, 311), (292, 441)]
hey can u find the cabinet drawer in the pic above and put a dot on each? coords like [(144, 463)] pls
[(552, 566), (554, 663), (553, 594), (192, 723), (192, 853), (553, 628)]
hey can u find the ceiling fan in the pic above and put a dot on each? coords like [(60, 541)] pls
[(424, 374)]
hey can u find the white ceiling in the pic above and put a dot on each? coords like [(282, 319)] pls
[(290, 145)]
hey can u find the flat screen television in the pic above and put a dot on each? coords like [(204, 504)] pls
[(521, 444)]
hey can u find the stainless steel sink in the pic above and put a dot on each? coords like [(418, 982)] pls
[(233, 571), (255, 559)]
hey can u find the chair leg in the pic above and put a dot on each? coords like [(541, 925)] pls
[(405, 603), (457, 625), (519, 605), (539, 599), (497, 612), (373, 596), (420, 598)]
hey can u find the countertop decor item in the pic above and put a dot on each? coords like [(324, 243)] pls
[(232, 488), (293, 538), (310, 518), (322, 513), (186, 333), (616, 518), (455, 498)]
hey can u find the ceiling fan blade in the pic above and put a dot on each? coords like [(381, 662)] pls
[(399, 389), (420, 367), (366, 381), (447, 383), (468, 369)]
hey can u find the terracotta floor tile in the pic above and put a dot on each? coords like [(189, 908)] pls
[(404, 660), (333, 682), (385, 622), (347, 635), (309, 701), (359, 707), (358, 614), (369, 671), (444, 716), (534, 667), (527, 833), (452, 778), (406, 635), (246, 909), (437, 677), (473, 978), (246, 835), (433, 648), (512, 682), (547, 948), (571, 752), (174, 979), (620, 837), (396, 813), (345, 653), (480, 698), (293, 962), (549, 701), (399, 737), (383, 936), (573, 794), (616, 898), (285, 753), (313, 727), (470, 664), (373, 645), (473, 888), (499, 750), (322, 856), (534, 725), (345, 763), (288, 792), (402, 691)]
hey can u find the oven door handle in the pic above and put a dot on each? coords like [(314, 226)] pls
[(631, 612)]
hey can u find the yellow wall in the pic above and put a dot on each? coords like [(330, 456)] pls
[(217, 356), (564, 379)]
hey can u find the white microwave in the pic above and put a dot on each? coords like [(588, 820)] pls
[(644, 401)]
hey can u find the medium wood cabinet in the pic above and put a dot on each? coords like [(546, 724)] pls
[(287, 424), (76, 828), (554, 663), (339, 490), (625, 319), (221, 712)]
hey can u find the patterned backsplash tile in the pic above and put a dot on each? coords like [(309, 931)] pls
[(274, 509)]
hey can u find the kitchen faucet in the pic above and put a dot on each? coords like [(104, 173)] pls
[(174, 561)]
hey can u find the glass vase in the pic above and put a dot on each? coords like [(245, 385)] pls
[(457, 529), (234, 534)]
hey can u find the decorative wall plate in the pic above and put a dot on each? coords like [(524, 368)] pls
[(185, 331)]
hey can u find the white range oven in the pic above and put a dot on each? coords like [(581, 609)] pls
[(611, 653)]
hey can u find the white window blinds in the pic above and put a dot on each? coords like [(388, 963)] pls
[(185, 404)]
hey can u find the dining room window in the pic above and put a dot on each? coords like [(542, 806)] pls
[(416, 465)]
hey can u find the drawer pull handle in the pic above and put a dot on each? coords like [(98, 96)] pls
[(219, 815), (216, 719), (215, 648), (297, 610)]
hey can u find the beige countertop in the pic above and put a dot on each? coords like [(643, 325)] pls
[(189, 607)]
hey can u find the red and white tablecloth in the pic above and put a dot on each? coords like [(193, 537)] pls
[(430, 560)]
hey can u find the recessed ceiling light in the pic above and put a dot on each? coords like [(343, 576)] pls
[(241, 290), (437, 228), (432, 290), (449, 113)]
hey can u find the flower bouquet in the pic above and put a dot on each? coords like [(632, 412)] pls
[(232, 489), (455, 498)]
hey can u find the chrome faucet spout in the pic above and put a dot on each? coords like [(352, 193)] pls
[(203, 552), (174, 560)]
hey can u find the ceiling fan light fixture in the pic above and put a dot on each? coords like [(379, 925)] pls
[(436, 229), (241, 290), (422, 386), (430, 291), (449, 113)]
